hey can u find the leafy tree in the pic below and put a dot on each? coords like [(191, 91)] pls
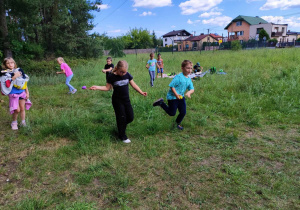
[(273, 40), (51, 27), (116, 47), (154, 40), (138, 39), (263, 34)]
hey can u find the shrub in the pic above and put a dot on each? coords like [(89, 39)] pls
[(273, 40), (236, 45)]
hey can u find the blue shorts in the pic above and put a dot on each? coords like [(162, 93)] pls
[(160, 70)]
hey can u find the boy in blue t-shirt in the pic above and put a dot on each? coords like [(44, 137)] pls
[(151, 66), (175, 96)]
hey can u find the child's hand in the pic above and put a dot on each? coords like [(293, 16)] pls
[(27, 95), (178, 96), (144, 93), (188, 94), (93, 87), (103, 71), (57, 72)]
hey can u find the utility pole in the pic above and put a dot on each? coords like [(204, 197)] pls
[(207, 31)]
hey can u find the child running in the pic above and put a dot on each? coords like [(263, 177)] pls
[(18, 94), (65, 69), (108, 67), (151, 66), (175, 96), (119, 80), (160, 63)]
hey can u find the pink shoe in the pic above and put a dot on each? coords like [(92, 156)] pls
[(14, 126)]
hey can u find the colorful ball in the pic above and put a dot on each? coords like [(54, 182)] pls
[(83, 87)]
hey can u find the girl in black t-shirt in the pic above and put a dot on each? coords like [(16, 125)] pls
[(119, 81)]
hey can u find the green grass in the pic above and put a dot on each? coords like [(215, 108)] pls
[(239, 148)]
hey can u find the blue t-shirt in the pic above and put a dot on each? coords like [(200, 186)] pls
[(181, 84), (152, 64)]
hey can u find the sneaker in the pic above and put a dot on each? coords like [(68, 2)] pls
[(158, 102), (179, 127), (23, 124), (127, 141), (14, 126), (74, 91)]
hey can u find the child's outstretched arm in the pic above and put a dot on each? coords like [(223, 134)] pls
[(188, 94), (106, 70), (61, 72), (147, 66), (103, 88), (132, 83)]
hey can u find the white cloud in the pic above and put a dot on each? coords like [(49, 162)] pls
[(194, 6), (103, 6), (221, 21), (293, 22), (151, 4), (249, 1), (282, 4), (134, 9), (173, 26), (115, 31), (192, 22), (208, 14), (147, 14)]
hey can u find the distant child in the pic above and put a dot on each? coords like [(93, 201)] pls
[(65, 69), (160, 63), (108, 67), (151, 66), (175, 96), (197, 68), (119, 80), (17, 91)]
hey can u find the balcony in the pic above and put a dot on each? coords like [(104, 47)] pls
[(276, 34)]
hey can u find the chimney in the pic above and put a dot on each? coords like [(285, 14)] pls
[(202, 34), (289, 31)]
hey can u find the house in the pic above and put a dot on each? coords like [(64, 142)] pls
[(275, 31), (239, 27), (195, 42), (292, 36), (217, 37), (173, 37)]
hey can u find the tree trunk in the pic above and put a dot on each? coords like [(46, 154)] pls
[(4, 30)]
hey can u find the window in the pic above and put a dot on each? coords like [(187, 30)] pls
[(165, 45), (238, 23), (258, 30), (165, 39), (282, 29), (240, 33)]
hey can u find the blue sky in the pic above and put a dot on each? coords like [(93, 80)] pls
[(117, 17)]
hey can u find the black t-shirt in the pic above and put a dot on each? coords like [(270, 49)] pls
[(196, 68), (108, 66), (120, 85)]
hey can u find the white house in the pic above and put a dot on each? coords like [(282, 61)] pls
[(275, 31), (173, 37)]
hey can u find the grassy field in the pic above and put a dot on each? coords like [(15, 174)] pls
[(239, 148)]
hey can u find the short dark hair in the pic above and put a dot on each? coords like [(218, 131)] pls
[(185, 63), (109, 58)]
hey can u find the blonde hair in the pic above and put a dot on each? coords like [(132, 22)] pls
[(60, 59), (121, 64), (185, 63), (5, 61), (151, 54)]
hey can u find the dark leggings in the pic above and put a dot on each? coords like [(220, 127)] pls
[(124, 116), (173, 106)]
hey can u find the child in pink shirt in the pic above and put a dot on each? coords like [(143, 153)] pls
[(65, 69)]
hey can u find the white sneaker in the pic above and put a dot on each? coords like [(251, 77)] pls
[(127, 141)]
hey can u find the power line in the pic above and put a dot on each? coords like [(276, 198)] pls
[(113, 11)]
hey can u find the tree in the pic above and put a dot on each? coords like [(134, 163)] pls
[(263, 34), (138, 39), (116, 47), (56, 27), (154, 40), (4, 31)]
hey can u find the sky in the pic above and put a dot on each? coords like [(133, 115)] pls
[(117, 17)]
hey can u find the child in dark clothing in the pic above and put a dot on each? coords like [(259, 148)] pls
[(108, 67), (119, 80)]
